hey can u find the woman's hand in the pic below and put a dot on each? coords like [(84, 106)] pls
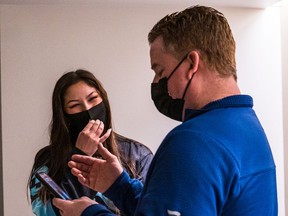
[(89, 138)]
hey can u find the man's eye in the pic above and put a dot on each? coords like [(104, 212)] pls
[(160, 73)]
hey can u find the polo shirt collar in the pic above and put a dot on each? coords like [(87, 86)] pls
[(227, 102)]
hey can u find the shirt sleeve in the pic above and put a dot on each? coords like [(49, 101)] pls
[(97, 210), (125, 193)]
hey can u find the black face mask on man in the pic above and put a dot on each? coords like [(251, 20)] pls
[(78, 121), (172, 108)]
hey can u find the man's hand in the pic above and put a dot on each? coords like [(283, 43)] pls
[(97, 174), (72, 207)]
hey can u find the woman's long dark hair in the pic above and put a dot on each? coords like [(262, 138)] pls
[(56, 155)]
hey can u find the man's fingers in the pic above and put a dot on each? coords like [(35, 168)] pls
[(80, 166), (80, 175), (77, 172), (105, 153), (60, 203), (83, 159), (82, 180)]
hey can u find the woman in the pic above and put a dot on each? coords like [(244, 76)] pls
[(81, 120)]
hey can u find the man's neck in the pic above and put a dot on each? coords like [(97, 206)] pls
[(211, 90)]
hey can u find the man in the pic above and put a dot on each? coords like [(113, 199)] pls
[(218, 161)]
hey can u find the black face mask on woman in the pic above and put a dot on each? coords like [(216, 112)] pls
[(78, 121), (172, 108)]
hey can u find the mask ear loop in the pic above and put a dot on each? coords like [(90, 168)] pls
[(187, 86), (182, 60)]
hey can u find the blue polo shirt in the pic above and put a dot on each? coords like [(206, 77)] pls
[(217, 162)]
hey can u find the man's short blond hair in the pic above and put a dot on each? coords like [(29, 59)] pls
[(203, 29)]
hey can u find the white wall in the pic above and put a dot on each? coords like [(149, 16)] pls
[(258, 38), (284, 20), (40, 43)]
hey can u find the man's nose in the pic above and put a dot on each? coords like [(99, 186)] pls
[(155, 79)]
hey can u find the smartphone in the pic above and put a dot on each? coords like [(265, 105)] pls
[(54, 188)]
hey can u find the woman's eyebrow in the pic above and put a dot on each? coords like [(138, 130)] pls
[(92, 93)]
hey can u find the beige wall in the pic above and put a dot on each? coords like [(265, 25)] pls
[(39, 43), (1, 162)]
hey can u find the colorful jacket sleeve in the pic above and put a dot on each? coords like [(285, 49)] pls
[(38, 207)]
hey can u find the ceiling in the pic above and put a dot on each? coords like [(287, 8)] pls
[(222, 3)]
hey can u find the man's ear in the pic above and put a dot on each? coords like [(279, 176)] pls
[(193, 58)]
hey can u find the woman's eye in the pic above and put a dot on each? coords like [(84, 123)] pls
[(73, 106), (93, 98)]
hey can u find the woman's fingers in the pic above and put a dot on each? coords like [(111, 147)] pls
[(97, 128), (89, 137), (105, 136), (88, 127), (94, 127)]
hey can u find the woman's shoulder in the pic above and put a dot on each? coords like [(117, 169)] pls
[(43, 152), (42, 157), (127, 145)]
